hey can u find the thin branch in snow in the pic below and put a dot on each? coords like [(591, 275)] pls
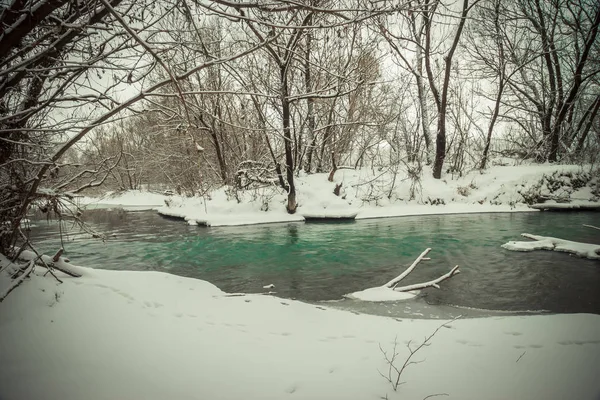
[(16, 282), (394, 373), (38, 259)]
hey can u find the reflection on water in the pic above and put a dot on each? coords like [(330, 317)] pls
[(315, 262)]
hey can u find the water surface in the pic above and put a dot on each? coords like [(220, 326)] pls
[(319, 262)]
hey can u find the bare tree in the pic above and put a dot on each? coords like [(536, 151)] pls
[(441, 99)]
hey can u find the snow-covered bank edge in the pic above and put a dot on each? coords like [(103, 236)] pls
[(396, 211), (367, 194), (371, 194), (125, 333)]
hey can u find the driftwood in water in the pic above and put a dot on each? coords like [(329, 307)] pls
[(391, 291), (393, 284)]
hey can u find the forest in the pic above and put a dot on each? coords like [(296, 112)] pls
[(192, 95)]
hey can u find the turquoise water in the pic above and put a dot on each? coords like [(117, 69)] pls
[(315, 262)]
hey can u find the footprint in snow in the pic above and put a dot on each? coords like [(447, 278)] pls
[(285, 304), (578, 342), (291, 389), (513, 333)]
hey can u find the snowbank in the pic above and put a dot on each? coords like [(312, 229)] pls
[(381, 293), (132, 200), (370, 193), (149, 335), (585, 250)]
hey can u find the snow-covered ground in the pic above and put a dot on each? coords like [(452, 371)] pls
[(376, 194), (369, 193), (149, 335), (131, 200)]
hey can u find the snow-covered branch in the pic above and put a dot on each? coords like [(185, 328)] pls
[(392, 284), (586, 250), (392, 292), (433, 283), (61, 264)]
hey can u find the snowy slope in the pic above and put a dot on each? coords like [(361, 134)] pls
[(148, 335)]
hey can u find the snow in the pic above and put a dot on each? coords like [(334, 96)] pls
[(131, 199), (585, 250), (150, 335), (62, 263), (366, 194), (573, 205), (331, 215), (382, 293)]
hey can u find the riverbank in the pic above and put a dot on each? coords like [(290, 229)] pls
[(154, 336), (369, 194)]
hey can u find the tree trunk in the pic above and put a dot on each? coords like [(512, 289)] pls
[(440, 144), (501, 84), (423, 104), (584, 132), (287, 137), (309, 107), (577, 83), (495, 114), (442, 102)]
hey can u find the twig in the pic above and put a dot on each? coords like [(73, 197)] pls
[(39, 257), (19, 280), (435, 395), (591, 226), (521, 356), (395, 380), (408, 270), (434, 283)]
